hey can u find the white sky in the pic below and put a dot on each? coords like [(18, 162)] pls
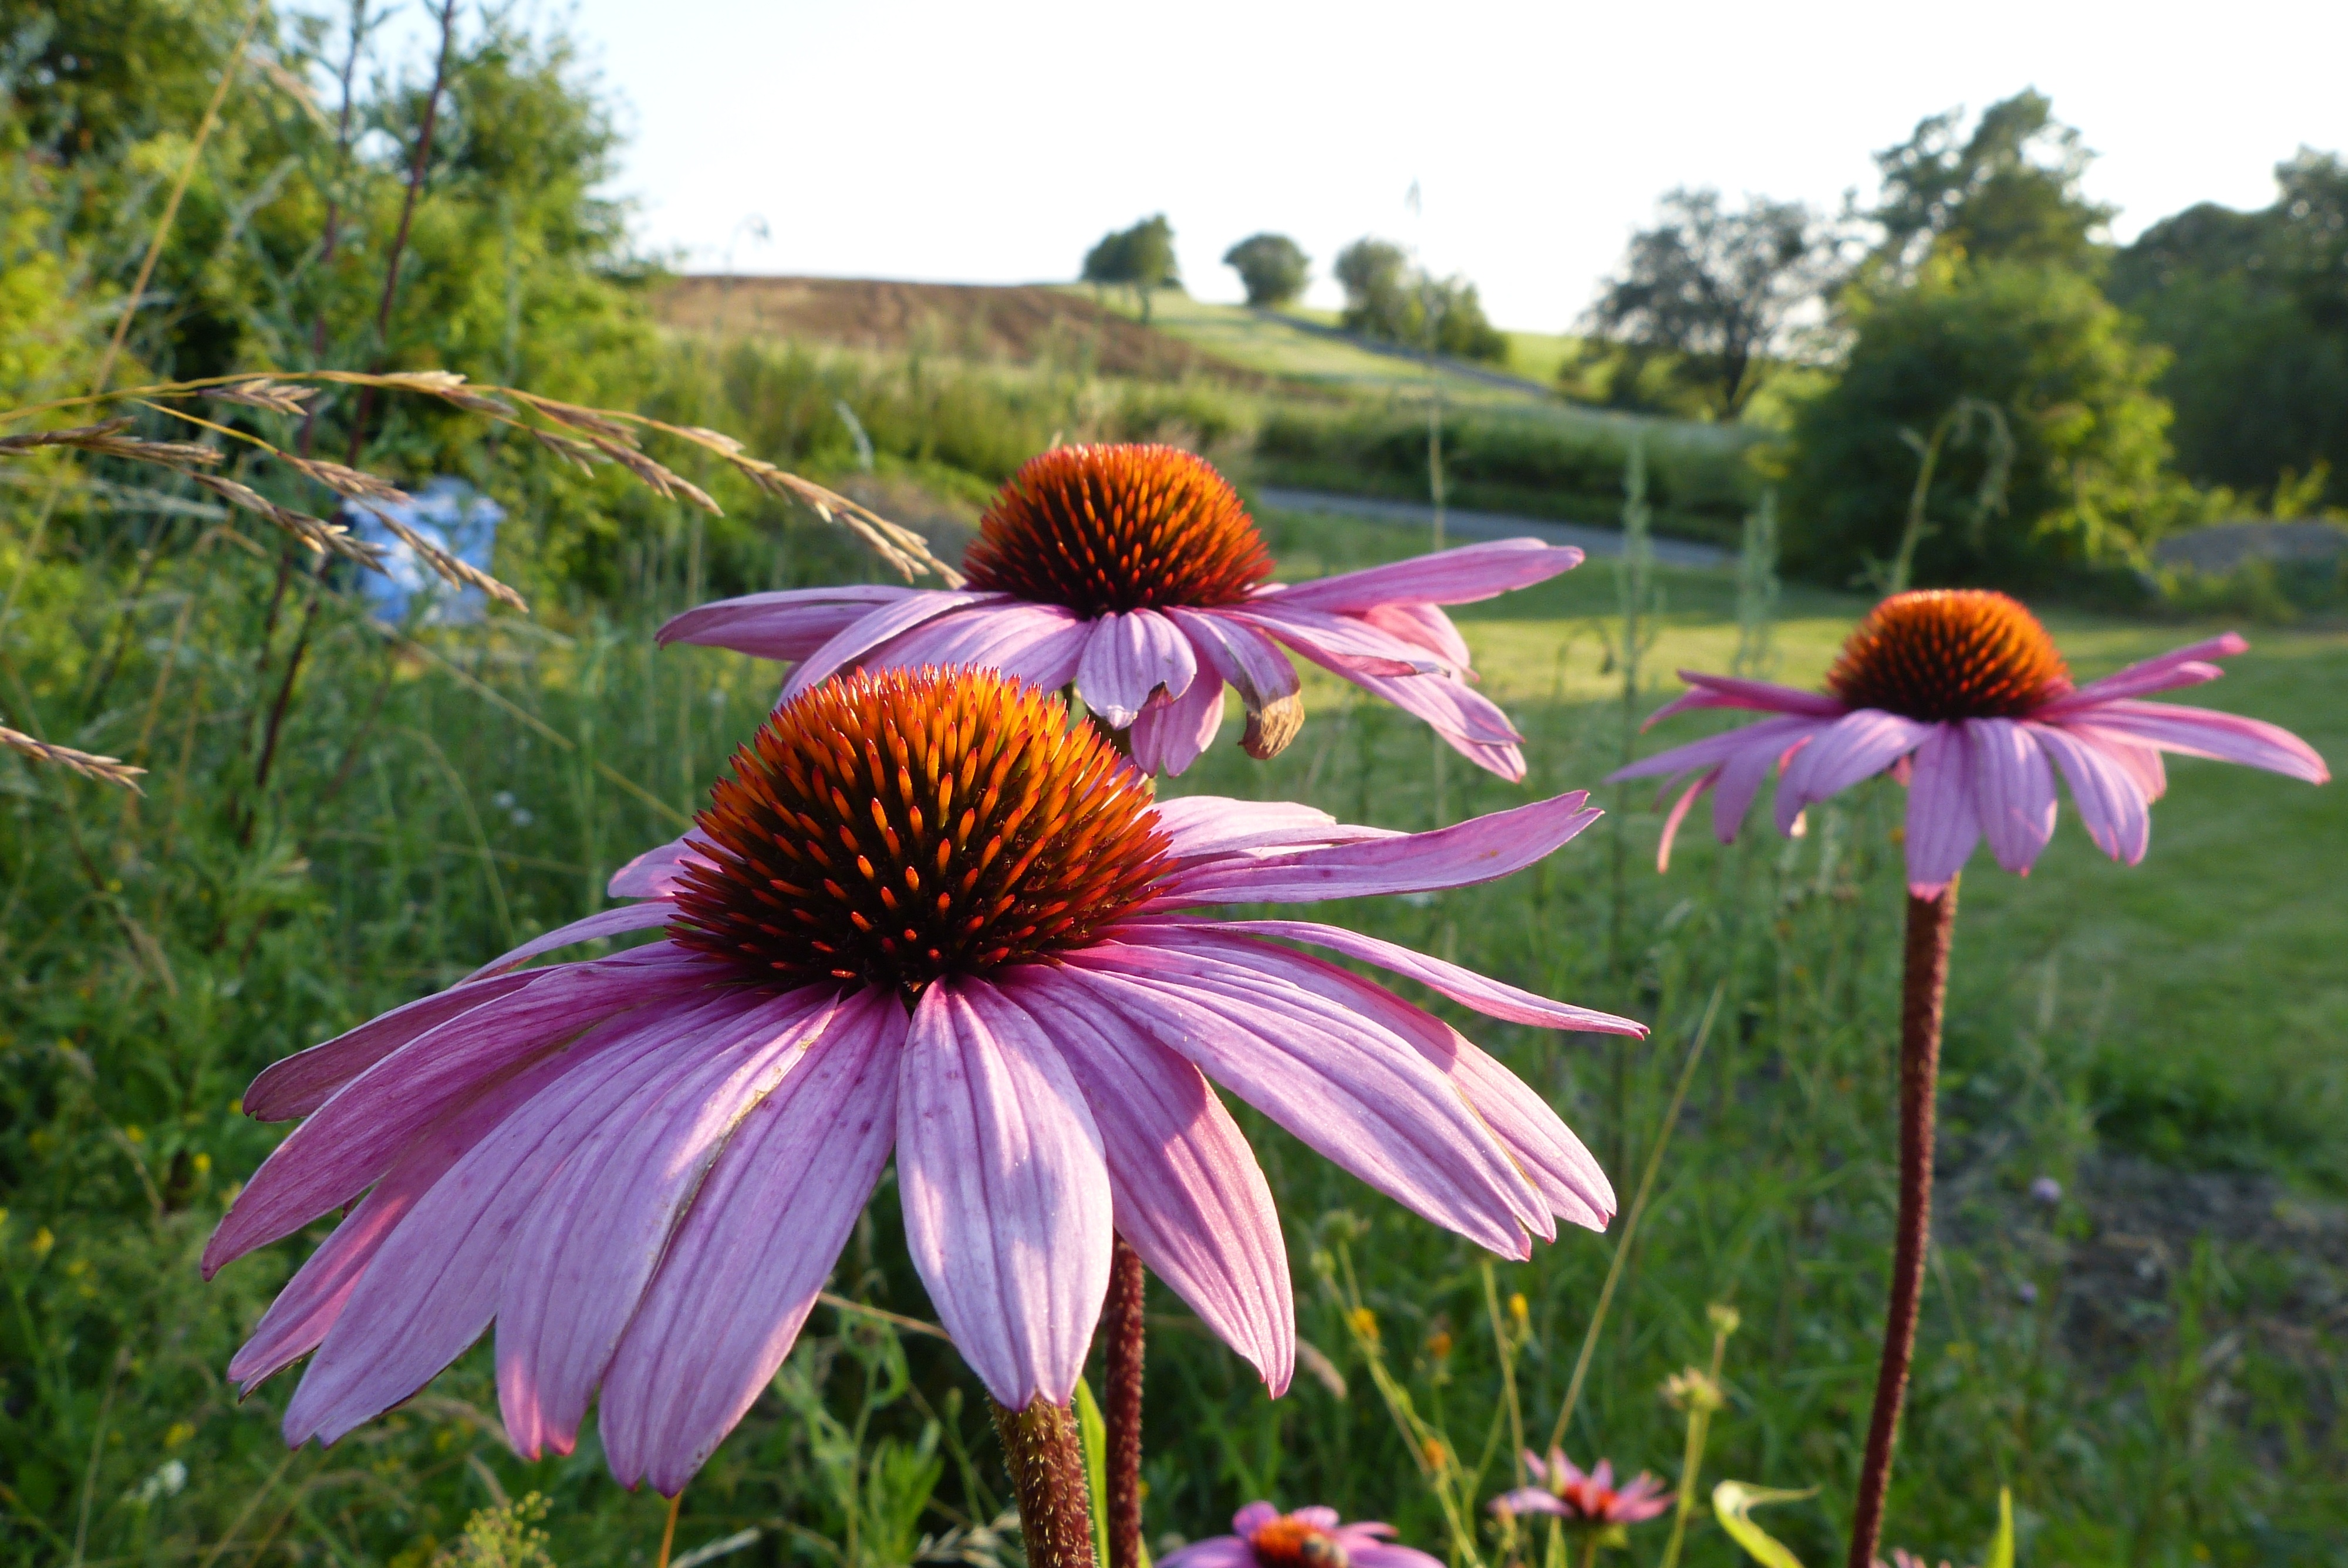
[(994, 142)]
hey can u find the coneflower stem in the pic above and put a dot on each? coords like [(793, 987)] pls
[(1121, 1325), (1047, 1461), (1923, 988)]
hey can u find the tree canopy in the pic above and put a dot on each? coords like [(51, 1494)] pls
[(1141, 258), (2007, 192), (1717, 287), (1388, 298), (1274, 268)]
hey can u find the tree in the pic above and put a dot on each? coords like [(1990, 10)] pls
[(1388, 298), (2007, 192), (1718, 288), (2253, 306), (2073, 391), (1274, 268), (1141, 258)]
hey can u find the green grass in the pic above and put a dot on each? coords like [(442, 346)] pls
[(2168, 1398)]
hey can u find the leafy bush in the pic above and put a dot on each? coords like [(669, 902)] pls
[(1273, 267)]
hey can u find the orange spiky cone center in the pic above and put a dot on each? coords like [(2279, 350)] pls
[(895, 827), (1116, 529), (1288, 1542), (1940, 654)]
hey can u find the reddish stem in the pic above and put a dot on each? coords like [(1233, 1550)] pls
[(1923, 988), (1047, 1461), (1121, 1323)]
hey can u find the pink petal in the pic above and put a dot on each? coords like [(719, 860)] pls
[(788, 625), (1492, 998), (1379, 1554), (584, 1253), (302, 1082), (1036, 643), (2112, 806), (1734, 691), (2140, 758), (1767, 740), (1129, 659), (1215, 1552), (1210, 827), (1241, 655), (1423, 626), (1316, 1515), (1678, 814), (1740, 774), (753, 1249), (433, 1287), (1856, 746), (1943, 822), (2181, 666), (2208, 732), (890, 621), (1168, 738), (1478, 850), (1343, 1083), (1455, 708), (1254, 1517), (1542, 1146), (604, 923), (1460, 576), (1337, 642), (1188, 1194), (1007, 1207), (353, 1139), (2014, 789), (654, 873)]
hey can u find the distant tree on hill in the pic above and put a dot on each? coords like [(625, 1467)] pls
[(1386, 297), (1716, 288), (1274, 268), (1141, 258), (2007, 192)]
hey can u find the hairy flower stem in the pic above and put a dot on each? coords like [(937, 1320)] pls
[(1923, 988), (1047, 1461), (1121, 1325)]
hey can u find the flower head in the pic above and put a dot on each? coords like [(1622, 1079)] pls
[(1308, 1538), (1135, 573), (923, 915), (1584, 1501), (1961, 694)]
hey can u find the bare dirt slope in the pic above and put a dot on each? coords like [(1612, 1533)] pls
[(1023, 323)]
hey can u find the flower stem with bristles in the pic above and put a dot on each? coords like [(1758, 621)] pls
[(1047, 1461), (1121, 1325), (1924, 987)]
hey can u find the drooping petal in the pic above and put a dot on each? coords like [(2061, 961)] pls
[(1494, 998), (1343, 1083), (2210, 732), (2014, 789), (1735, 691), (1478, 850), (2140, 758), (300, 1083), (790, 625), (1038, 643), (1168, 738), (602, 923), (1460, 576), (2112, 806), (1337, 642), (353, 1139), (1256, 669), (1128, 659), (1423, 626), (890, 621), (2186, 666), (1856, 746), (1454, 708), (1214, 1551), (754, 1250), (1206, 826), (1568, 1180), (1188, 1194), (1372, 1554), (1767, 740), (1672, 820), (1007, 1207), (1943, 822), (586, 1249), (1740, 774), (433, 1287), (654, 873)]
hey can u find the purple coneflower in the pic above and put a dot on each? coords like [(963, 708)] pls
[(1308, 1538), (1582, 1501), (923, 914), (1960, 694), (1136, 574)]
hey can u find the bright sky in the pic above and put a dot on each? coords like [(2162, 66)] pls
[(995, 142)]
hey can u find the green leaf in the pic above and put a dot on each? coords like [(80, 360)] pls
[(1093, 1433), (2001, 1547), (1732, 1504)]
